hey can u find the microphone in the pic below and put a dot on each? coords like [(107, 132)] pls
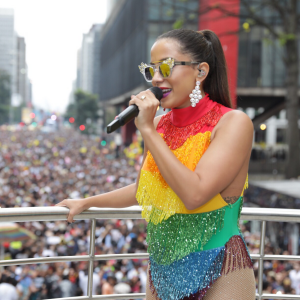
[(130, 112)]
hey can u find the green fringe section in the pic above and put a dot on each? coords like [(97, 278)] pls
[(240, 211), (182, 234)]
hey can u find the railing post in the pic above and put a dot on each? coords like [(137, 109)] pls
[(91, 259), (261, 259)]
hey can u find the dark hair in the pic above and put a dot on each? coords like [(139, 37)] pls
[(205, 46)]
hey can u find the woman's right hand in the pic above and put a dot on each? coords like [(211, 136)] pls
[(76, 206)]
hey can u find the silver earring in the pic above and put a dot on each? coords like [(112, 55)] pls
[(195, 96)]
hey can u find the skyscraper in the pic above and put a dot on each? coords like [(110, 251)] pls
[(88, 61), (13, 58), (8, 45)]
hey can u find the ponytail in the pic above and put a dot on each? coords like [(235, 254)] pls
[(205, 46)]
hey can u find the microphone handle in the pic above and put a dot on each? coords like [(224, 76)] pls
[(124, 117), (128, 114)]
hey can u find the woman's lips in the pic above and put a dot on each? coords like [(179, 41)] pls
[(166, 94)]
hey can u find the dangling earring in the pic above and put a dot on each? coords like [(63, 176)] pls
[(196, 94)]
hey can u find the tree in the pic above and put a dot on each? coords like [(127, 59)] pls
[(287, 17), (84, 110), (5, 96)]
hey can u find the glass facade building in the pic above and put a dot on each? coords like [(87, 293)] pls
[(134, 25), (260, 61), (127, 41)]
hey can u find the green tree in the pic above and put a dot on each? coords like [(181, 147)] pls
[(84, 110), (5, 96), (281, 24), (71, 111)]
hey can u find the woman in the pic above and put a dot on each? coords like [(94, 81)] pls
[(193, 174)]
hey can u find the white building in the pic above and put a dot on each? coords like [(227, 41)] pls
[(8, 45), (22, 84), (13, 58), (88, 61)]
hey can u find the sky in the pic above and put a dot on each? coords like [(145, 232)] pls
[(53, 32)]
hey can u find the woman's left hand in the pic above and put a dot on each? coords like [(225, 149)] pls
[(147, 110)]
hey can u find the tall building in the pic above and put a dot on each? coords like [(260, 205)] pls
[(88, 61), (127, 36), (110, 4), (13, 59), (21, 70), (257, 74), (8, 45)]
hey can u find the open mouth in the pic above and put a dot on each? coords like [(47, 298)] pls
[(166, 92)]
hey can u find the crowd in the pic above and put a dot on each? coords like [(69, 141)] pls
[(42, 169), (279, 277)]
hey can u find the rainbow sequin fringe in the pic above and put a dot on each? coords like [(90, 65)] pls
[(191, 276)]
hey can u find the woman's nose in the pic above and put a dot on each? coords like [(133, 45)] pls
[(157, 76)]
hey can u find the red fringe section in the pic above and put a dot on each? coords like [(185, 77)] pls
[(236, 257), (235, 248), (176, 136)]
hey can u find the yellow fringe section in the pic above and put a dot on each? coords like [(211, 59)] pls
[(246, 183), (157, 199)]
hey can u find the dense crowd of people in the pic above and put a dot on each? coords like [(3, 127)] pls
[(42, 169)]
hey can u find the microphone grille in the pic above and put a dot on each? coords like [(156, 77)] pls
[(157, 92)]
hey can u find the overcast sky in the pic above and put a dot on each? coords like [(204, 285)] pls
[(53, 33)]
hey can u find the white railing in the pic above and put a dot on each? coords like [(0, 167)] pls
[(134, 212)]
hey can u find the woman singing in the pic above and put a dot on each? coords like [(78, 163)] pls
[(193, 174)]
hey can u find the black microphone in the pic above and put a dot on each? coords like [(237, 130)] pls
[(130, 112)]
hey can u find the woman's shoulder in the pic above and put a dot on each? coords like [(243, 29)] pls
[(231, 115), (234, 120)]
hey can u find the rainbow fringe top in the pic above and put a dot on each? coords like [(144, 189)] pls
[(188, 248)]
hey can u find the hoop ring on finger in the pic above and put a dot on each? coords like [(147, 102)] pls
[(143, 97)]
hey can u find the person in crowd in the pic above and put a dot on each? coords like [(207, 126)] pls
[(108, 286), (8, 291)]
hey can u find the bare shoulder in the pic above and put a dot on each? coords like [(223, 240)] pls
[(156, 120), (234, 121), (236, 116)]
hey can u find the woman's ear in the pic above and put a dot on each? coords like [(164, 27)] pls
[(203, 70)]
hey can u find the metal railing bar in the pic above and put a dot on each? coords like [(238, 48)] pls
[(283, 296), (53, 259), (261, 258), (55, 213), (276, 257), (123, 296), (139, 296), (91, 259), (114, 296), (28, 261), (72, 298), (134, 212)]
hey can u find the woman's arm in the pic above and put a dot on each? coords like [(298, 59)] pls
[(218, 166), (216, 169), (119, 198)]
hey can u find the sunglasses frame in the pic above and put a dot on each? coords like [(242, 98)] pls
[(169, 61)]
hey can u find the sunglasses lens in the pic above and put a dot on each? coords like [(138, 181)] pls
[(149, 73), (165, 70)]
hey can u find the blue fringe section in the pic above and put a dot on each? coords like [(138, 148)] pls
[(187, 276)]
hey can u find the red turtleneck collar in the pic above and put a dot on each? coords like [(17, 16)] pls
[(181, 117)]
